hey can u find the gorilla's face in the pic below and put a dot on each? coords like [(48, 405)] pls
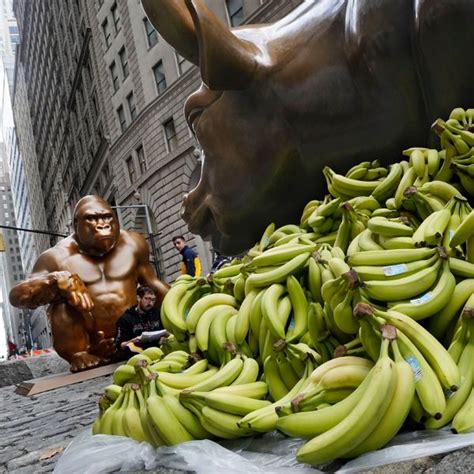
[(96, 228)]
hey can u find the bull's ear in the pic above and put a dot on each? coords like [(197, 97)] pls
[(226, 61), (173, 21)]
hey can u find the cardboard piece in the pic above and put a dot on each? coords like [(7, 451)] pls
[(51, 382)]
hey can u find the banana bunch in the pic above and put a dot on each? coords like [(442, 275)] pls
[(322, 217), (285, 365), (319, 336), (314, 331), (364, 420), (417, 282), (458, 406), (330, 383), (265, 419), (175, 361), (434, 368), (456, 138), (176, 305), (219, 410), (125, 417), (346, 188), (443, 324)]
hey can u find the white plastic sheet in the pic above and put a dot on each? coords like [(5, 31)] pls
[(272, 453), (99, 454)]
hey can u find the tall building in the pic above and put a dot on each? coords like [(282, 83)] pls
[(16, 322), (104, 95)]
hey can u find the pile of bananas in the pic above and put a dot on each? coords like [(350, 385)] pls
[(338, 330)]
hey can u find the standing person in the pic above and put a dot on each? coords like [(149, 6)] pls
[(219, 261), (12, 349), (145, 316), (191, 264)]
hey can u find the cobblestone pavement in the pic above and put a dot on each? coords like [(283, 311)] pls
[(32, 426), (34, 431)]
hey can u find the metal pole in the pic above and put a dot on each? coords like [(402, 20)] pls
[(152, 243)]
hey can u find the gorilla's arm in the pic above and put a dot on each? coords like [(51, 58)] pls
[(48, 284)]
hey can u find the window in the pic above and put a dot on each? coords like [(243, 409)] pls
[(130, 169), (124, 61), (141, 159), (183, 64), (106, 30), (115, 17), (170, 134), (122, 119), (114, 75), (235, 10), (132, 108), (160, 78), (151, 34)]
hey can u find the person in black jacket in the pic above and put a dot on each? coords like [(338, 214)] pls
[(137, 319)]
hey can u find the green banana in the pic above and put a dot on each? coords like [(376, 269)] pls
[(202, 330), (256, 390), (225, 376), (390, 228), (350, 432), (440, 322), (184, 381), (397, 411), (205, 303), (384, 272), (163, 420), (389, 257), (434, 352), (300, 309), (131, 419), (187, 419), (279, 274), (456, 401), (402, 288), (464, 231), (431, 302), (249, 372), (387, 187)]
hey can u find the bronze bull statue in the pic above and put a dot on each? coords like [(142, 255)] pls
[(333, 83)]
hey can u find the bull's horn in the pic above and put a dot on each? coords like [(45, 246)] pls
[(226, 61), (173, 21)]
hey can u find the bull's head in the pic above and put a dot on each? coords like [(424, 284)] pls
[(334, 82)]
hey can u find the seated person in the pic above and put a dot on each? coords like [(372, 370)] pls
[(145, 316)]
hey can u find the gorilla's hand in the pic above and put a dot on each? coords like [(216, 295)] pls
[(74, 290), (102, 347)]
